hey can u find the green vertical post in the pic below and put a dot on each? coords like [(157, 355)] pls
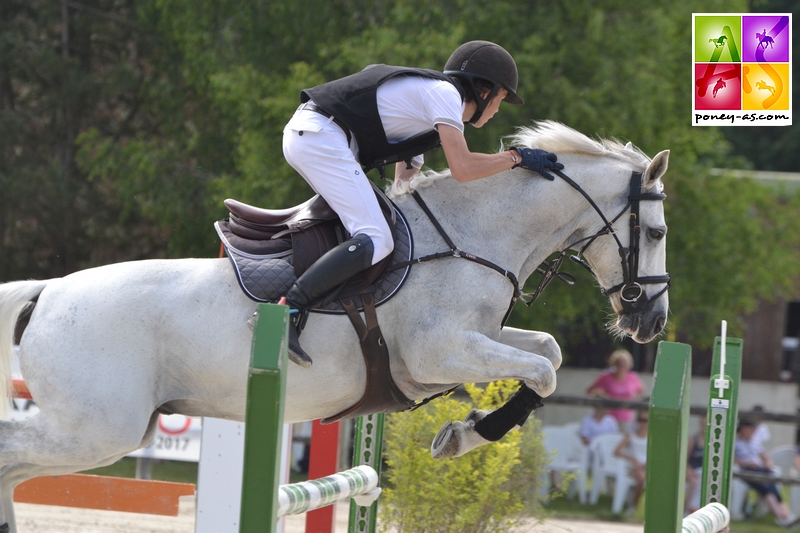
[(721, 423), (266, 386), (368, 451), (667, 435)]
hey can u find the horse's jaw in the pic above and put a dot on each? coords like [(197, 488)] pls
[(642, 327)]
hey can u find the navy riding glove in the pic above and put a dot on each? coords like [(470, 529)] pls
[(538, 161)]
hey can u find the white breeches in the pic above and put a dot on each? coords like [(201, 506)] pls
[(318, 150)]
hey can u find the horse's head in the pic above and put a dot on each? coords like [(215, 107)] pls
[(630, 264), (620, 229)]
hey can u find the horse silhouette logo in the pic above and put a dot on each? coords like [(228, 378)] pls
[(761, 85), (719, 85), (764, 40), (718, 43)]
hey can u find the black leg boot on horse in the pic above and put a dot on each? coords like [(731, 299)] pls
[(329, 271)]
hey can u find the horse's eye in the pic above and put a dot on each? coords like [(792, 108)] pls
[(656, 234)]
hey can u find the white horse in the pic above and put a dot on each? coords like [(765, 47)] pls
[(106, 348)]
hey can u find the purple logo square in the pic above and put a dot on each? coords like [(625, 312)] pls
[(765, 38)]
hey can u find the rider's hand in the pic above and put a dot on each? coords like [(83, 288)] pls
[(538, 161)]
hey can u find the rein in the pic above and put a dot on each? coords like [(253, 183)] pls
[(632, 295), (455, 251)]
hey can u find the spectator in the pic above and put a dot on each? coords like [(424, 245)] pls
[(762, 433), (619, 383), (633, 449), (749, 459), (600, 422), (694, 467)]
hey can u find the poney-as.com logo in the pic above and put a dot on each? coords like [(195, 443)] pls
[(742, 69)]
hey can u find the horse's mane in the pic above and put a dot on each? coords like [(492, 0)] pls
[(547, 135)]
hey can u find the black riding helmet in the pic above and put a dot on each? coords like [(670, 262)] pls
[(487, 61)]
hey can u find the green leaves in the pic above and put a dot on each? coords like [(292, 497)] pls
[(737, 242), (482, 491)]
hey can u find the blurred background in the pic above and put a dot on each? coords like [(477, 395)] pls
[(124, 124)]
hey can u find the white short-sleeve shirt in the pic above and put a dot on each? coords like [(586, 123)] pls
[(745, 451), (591, 428), (411, 105)]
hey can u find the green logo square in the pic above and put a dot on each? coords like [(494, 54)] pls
[(717, 38)]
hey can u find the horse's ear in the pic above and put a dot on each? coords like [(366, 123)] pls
[(657, 167), (629, 147)]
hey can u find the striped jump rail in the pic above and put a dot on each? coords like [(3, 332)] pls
[(360, 483), (711, 518)]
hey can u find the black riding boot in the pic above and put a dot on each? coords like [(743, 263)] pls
[(328, 272)]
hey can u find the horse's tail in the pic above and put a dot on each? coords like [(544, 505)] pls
[(14, 297)]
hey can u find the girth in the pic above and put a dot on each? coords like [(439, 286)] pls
[(381, 394)]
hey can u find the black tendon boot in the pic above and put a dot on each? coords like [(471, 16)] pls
[(328, 272), (515, 412)]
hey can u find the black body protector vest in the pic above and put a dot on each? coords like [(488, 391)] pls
[(353, 101)]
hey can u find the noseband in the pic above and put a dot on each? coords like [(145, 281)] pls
[(633, 297)]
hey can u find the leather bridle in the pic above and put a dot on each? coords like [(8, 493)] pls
[(633, 297)]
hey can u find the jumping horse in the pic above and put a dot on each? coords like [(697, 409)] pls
[(106, 349)]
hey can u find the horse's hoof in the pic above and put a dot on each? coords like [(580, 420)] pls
[(457, 438), (444, 445)]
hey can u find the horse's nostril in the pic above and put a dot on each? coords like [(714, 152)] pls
[(660, 323)]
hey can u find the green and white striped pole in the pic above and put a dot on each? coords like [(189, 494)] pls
[(359, 483)]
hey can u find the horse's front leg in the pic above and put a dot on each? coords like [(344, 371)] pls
[(482, 427)]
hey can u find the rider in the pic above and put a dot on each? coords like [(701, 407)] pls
[(382, 115)]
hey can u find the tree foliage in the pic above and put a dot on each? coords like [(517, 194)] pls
[(124, 124)]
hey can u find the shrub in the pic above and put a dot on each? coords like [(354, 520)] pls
[(485, 490)]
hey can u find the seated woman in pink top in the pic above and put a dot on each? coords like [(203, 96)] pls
[(619, 384)]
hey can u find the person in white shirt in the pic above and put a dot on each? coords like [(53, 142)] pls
[(633, 449), (385, 115), (600, 422), (762, 434), (750, 458)]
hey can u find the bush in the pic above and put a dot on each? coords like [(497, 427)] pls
[(485, 490)]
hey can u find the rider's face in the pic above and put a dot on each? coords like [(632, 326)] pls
[(491, 108)]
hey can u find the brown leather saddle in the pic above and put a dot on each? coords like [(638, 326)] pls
[(270, 248)]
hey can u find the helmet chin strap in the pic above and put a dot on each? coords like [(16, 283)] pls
[(481, 103)]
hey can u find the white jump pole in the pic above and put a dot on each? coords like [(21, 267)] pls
[(712, 518), (360, 483)]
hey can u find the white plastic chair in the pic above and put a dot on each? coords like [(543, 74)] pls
[(604, 463), (567, 454), (783, 457), (573, 426), (739, 491), (623, 483)]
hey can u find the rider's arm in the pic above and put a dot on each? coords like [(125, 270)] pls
[(469, 166), (403, 173)]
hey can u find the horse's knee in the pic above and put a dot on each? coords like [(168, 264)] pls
[(551, 350), (544, 382)]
